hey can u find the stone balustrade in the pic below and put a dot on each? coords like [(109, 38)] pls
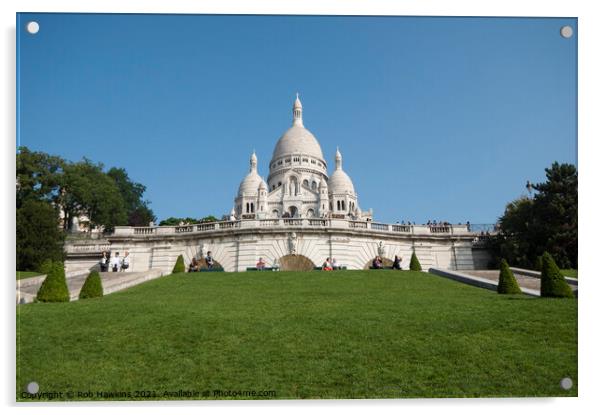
[(283, 223)]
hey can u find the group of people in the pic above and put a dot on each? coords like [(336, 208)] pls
[(115, 263), (377, 262), (195, 264), (330, 264)]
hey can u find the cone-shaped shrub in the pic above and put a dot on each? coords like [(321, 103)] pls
[(54, 288), (45, 267), (92, 287), (552, 281), (179, 267), (414, 263), (507, 283)]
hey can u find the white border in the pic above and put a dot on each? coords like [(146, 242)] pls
[(590, 108)]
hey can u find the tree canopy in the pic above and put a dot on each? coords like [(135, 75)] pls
[(547, 222)]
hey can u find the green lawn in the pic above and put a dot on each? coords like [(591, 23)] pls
[(344, 334), (569, 273), (27, 274)]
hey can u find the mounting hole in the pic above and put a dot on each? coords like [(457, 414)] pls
[(566, 32), (566, 384), (33, 387), (33, 27)]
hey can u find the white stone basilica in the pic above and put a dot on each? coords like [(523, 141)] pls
[(298, 185)]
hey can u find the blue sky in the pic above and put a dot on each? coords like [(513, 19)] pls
[(436, 118)]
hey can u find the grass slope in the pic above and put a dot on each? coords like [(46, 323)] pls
[(27, 274), (347, 334)]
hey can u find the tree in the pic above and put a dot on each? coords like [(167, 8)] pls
[(507, 283), (54, 288), (92, 286), (209, 218), (39, 236), (87, 190), (553, 283), (38, 176), (137, 210), (548, 222), (414, 263), (179, 266), (171, 221)]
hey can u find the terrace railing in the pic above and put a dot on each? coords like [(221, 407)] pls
[(283, 223)]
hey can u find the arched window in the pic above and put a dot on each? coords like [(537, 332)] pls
[(310, 213), (275, 213), (338, 205), (314, 185), (342, 205), (247, 208), (252, 207), (306, 182)]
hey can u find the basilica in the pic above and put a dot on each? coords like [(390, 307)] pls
[(298, 185)]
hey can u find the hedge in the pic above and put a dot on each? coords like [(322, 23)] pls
[(179, 267), (92, 286), (507, 283), (54, 288), (553, 283)]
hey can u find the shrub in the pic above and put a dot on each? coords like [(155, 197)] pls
[(552, 281), (92, 287), (414, 263), (179, 267), (54, 288), (45, 267), (507, 283)]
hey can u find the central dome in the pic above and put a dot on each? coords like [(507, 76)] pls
[(298, 140)]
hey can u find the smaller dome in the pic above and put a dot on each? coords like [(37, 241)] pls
[(339, 182), (251, 184)]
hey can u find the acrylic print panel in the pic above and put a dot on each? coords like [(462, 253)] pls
[(380, 168)]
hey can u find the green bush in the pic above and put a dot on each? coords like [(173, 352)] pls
[(45, 267), (553, 283), (92, 287), (54, 288), (507, 283), (414, 263), (179, 267)]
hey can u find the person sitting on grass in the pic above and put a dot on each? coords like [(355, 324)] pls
[(377, 263), (260, 264), (194, 265), (397, 263), (209, 260), (327, 266), (334, 264)]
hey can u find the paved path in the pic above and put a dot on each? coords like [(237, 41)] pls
[(111, 282), (523, 280)]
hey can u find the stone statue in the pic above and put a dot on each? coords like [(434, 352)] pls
[(381, 249), (292, 243)]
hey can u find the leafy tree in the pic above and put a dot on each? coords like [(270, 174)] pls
[(171, 221), (553, 283), (179, 266), (507, 283), (138, 211), (548, 222), (39, 236), (92, 286), (414, 263), (38, 176), (54, 288), (209, 218), (87, 190)]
